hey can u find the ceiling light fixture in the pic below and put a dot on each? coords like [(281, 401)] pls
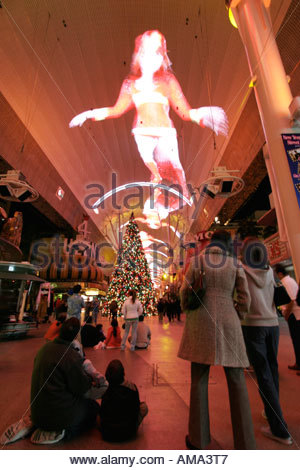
[(14, 187), (222, 184)]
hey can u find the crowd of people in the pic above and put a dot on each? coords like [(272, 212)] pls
[(234, 324), (169, 305)]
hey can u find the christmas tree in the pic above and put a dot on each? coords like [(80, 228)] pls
[(132, 272)]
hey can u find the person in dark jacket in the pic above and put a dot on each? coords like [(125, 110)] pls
[(178, 308), (90, 334), (160, 309), (121, 411), (58, 406)]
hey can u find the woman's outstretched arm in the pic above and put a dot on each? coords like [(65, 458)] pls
[(177, 99), (123, 104), (212, 117)]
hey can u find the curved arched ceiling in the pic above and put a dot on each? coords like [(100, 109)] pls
[(61, 57)]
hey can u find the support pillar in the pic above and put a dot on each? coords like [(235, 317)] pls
[(273, 98)]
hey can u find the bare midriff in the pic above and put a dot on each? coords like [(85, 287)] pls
[(152, 115)]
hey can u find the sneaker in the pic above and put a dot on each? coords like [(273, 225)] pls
[(266, 431), (17, 431), (122, 348), (47, 437), (132, 348)]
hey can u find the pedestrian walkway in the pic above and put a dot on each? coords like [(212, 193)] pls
[(163, 381)]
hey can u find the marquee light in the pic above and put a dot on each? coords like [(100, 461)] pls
[(60, 193), (92, 292)]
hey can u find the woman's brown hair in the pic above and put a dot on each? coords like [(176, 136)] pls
[(132, 293)]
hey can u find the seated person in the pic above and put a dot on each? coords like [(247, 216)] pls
[(121, 411), (100, 331), (26, 426), (59, 383), (99, 384), (143, 336), (54, 328), (90, 334), (113, 339)]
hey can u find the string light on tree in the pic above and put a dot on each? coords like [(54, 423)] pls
[(132, 272)]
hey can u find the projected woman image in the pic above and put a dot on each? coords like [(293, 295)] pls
[(152, 88)]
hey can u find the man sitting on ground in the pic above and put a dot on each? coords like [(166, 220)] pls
[(143, 336), (59, 383)]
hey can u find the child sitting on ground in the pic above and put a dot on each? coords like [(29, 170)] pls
[(121, 411), (100, 384)]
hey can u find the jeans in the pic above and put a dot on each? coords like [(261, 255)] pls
[(294, 327), (262, 347), (128, 324)]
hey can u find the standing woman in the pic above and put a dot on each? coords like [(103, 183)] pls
[(213, 336), (151, 88), (132, 309), (261, 333)]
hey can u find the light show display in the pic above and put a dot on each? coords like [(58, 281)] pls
[(152, 88)]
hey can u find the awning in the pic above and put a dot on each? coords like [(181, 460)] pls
[(22, 276), (76, 268)]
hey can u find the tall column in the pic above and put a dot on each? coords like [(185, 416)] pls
[(276, 199), (273, 98)]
